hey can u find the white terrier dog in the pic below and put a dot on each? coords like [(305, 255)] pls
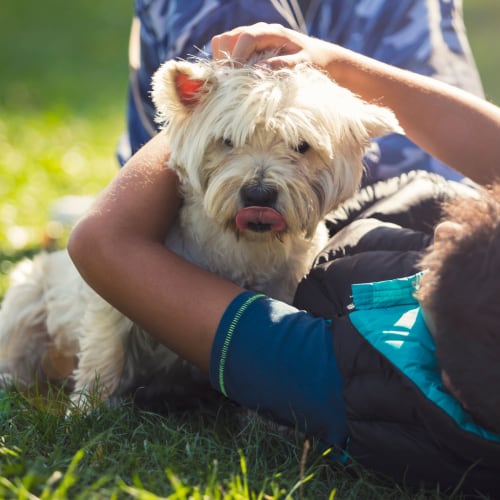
[(262, 157)]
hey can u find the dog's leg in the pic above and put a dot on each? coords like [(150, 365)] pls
[(23, 331), (103, 339)]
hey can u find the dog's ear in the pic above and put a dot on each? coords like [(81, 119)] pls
[(179, 87), (380, 121), (188, 90)]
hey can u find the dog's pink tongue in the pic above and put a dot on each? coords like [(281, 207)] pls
[(260, 219)]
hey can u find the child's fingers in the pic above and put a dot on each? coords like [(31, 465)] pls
[(241, 43)]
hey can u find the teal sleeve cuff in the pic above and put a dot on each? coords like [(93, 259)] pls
[(227, 327)]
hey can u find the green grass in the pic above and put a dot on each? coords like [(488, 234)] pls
[(62, 94), (123, 453)]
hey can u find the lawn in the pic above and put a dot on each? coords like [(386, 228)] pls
[(62, 94)]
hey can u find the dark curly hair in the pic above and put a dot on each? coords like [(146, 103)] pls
[(461, 294)]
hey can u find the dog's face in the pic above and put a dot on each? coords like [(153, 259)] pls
[(268, 152)]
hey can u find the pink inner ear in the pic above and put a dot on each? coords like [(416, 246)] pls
[(188, 90)]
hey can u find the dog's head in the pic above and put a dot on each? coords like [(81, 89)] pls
[(267, 151)]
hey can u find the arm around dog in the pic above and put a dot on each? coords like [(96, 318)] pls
[(118, 248)]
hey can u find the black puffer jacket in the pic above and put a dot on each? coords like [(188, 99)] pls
[(394, 428)]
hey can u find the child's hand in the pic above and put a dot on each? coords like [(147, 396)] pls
[(293, 47)]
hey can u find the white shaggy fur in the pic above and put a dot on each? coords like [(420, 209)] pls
[(262, 157)]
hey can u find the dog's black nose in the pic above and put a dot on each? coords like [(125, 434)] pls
[(258, 195)]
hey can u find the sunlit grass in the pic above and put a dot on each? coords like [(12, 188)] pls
[(43, 158)]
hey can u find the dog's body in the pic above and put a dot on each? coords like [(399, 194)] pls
[(262, 157)]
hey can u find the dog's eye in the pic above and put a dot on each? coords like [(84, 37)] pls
[(228, 143), (302, 147)]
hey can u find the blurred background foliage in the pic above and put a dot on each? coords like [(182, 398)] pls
[(63, 79), (482, 20)]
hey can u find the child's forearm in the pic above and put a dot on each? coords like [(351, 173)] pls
[(458, 128)]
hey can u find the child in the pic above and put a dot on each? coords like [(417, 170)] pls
[(365, 379), (459, 294), (403, 420)]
